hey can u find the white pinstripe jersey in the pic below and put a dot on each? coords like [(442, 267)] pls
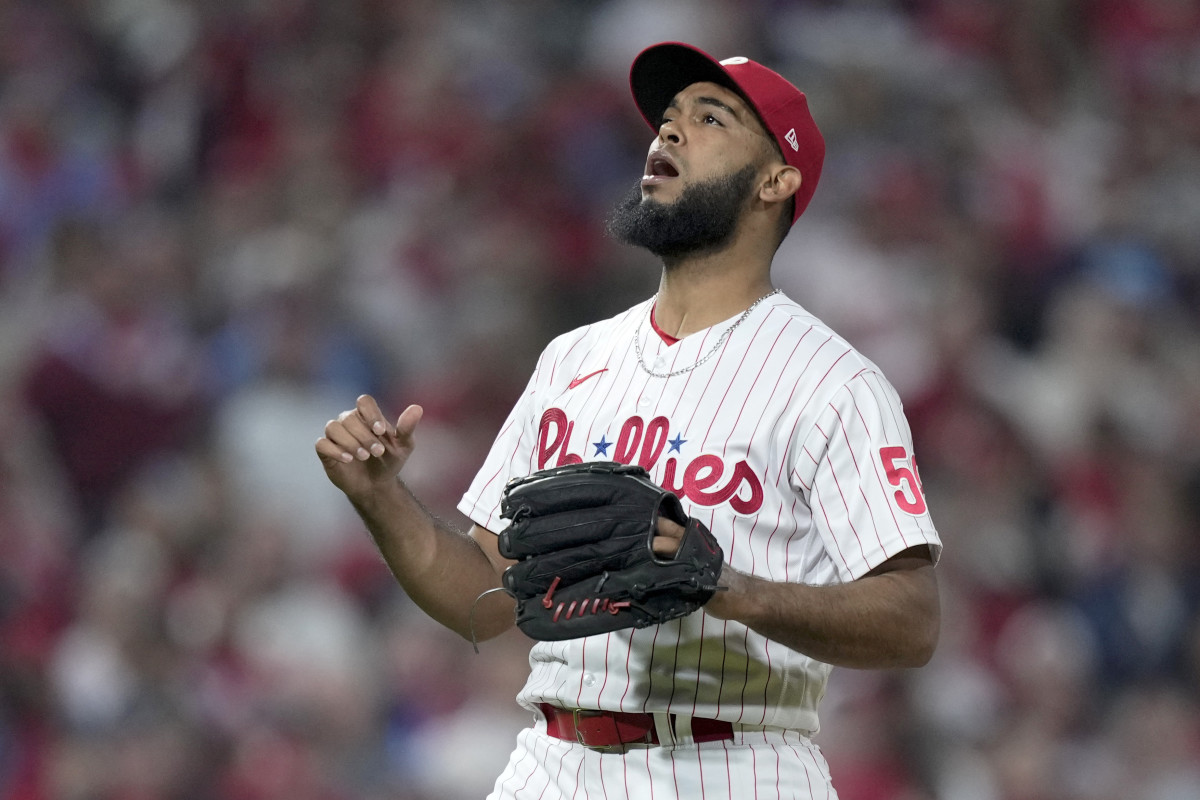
[(788, 444)]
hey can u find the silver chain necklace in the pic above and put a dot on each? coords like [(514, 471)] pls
[(637, 342)]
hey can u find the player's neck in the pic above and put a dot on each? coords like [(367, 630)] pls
[(691, 300)]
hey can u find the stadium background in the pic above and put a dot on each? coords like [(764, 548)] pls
[(221, 221)]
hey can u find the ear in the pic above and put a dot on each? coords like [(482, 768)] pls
[(783, 182)]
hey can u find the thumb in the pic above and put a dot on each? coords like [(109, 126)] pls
[(407, 422)]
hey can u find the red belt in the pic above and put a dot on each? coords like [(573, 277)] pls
[(602, 729)]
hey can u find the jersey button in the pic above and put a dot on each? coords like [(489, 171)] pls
[(589, 679), (660, 363), (645, 401)]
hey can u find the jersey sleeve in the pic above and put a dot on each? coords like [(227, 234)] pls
[(856, 466), (511, 455)]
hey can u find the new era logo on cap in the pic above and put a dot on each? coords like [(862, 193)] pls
[(663, 70)]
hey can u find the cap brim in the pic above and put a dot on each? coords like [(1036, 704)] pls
[(660, 72)]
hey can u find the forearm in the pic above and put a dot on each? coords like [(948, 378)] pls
[(880, 621), (443, 570)]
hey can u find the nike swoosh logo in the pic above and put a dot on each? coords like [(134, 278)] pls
[(575, 382)]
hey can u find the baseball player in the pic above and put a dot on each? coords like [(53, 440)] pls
[(787, 449)]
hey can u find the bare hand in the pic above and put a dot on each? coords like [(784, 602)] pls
[(362, 450)]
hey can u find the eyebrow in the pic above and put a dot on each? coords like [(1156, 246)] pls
[(708, 101)]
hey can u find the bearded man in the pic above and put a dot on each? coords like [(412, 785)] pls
[(787, 446)]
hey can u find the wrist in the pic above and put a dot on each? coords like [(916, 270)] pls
[(379, 498), (734, 595)]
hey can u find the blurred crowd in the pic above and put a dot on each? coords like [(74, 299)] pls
[(222, 221)]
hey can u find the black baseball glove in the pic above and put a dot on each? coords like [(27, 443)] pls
[(582, 535)]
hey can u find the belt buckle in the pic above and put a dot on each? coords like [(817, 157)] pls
[(579, 713), (576, 715)]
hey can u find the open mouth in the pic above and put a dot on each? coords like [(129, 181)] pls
[(659, 168)]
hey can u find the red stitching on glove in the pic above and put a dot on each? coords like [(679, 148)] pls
[(598, 604), (546, 601)]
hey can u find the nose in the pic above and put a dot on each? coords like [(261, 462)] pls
[(670, 131)]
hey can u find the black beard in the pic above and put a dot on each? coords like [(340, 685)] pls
[(702, 219)]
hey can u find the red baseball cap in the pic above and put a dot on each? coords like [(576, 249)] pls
[(663, 70)]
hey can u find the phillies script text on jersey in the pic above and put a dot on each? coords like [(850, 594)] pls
[(706, 480)]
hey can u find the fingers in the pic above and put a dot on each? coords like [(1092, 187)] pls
[(355, 434), (666, 543), (346, 439), (664, 547), (367, 410), (364, 432), (327, 450), (670, 528)]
